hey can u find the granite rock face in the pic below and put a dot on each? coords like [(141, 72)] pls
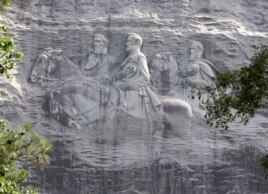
[(186, 43)]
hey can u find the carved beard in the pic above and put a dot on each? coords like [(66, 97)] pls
[(100, 50), (195, 56)]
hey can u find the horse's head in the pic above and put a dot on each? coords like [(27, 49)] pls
[(161, 63), (47, 65), (40, 66)]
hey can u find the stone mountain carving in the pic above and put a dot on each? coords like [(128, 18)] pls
[(98, 65), (164, 72), (133, 82), (92, 90), (131, 157), (79, 94), (50, 68), (137, 98), (197, 74)]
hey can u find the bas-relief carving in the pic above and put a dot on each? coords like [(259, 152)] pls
[(76, 92), (98, 65), (122, 103), (133, 82), (198, 73), (95, 88), (164, 73), (171, 79)]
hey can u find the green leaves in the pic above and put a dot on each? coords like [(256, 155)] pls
[(8, 53), (5, 3), (238, 94), (20, 147)]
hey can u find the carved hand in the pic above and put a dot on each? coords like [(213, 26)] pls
[(190, 81), (129, 72)]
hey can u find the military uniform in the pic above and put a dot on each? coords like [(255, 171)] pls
[(135, 95)]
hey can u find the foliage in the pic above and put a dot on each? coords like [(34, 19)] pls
[(264, 163), (19, 149), (8, 53), (6, 3), (238, 94)]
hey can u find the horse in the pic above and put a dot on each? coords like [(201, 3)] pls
[(71, 98), (75, 100)]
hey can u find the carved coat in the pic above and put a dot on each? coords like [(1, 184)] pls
[(136, 96), (199, 75)]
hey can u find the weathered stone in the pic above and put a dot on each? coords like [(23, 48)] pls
[(111, 151)]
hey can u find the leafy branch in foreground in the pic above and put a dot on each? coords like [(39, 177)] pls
[(8, 54), (19, 149), (239, 93)]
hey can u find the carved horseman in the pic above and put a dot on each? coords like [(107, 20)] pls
[(76, 100), (98, 65), (137, 99), (198, 74), (133, 82)]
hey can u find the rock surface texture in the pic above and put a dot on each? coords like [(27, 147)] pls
[(118, 106)]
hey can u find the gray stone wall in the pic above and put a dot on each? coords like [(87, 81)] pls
[(133, 157)]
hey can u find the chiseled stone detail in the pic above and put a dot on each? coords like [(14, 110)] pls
[(197, 74), (164, 71), (68, 84), (92, 90)]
